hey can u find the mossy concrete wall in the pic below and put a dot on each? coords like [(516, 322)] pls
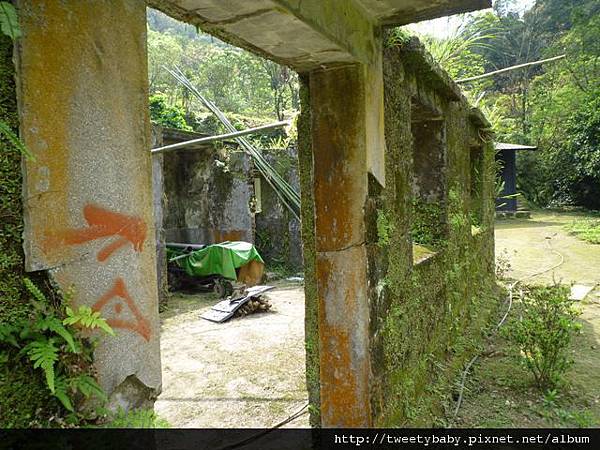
[(277, 229), (426, 314), (207, 193), (425, 306), (307, 215), (22, 389)]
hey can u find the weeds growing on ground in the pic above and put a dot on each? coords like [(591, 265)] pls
[(543, 333), (136, 418), (585, 229)]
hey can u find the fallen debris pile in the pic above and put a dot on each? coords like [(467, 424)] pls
[(239, 304), (256, 304)]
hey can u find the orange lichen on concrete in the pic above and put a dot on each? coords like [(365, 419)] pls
[(43, 107), (70, 110), (343, 323), (338, 126)]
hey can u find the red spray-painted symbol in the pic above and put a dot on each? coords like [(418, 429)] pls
[(139, 325), (103, 223)]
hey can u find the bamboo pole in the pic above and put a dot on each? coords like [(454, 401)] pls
[(220, 137), (286, 193), (506, 69)]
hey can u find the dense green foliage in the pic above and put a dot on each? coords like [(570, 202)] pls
[(170, 116), (554, 106), (543, 334), (236, 81)]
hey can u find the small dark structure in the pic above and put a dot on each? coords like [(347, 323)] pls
[(506, 155)]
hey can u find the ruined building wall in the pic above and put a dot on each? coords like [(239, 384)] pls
[(277, 230), (426, 300), (207, 196)]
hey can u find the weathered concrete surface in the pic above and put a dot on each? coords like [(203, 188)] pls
[(158, 200), (83, 106), (277, 230), (309, 34), (207, 193), (394, 12), (339, 139)]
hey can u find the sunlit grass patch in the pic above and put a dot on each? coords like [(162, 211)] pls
[(586, 229)]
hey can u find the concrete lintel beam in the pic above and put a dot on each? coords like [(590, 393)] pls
[(304, 35), (397, 12)]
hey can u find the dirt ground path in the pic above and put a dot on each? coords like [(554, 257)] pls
[(500, 392), (525, 242), (247, 372)]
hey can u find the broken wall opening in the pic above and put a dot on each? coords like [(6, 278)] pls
[(429, 184), (249, 369)]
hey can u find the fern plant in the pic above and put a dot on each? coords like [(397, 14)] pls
[(50, 342)]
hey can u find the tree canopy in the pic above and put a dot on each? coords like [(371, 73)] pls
[(553, 106), (237, 81)]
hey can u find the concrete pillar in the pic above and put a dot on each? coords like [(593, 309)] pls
[(83, 97), (342, 136), (158, 195)]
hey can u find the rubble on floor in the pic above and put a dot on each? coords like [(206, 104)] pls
[(239, 304)]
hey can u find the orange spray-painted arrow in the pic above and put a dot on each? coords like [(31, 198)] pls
[(103, 223)]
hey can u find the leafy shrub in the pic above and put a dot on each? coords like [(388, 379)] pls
[(166, 115), (49, 341), (543, 333)]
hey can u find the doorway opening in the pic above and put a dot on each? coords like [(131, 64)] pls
[(248, 371)]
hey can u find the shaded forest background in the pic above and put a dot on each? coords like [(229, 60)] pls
[(555, 106)]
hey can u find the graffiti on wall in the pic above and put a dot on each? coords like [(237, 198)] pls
[(139, 325), (103, 223), (119, 230)]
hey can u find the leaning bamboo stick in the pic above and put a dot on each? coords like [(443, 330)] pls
[(288, 196), (506, 69)]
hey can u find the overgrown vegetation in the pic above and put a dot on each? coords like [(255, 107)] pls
[(136, 418), (427, 227), (585, 229), (543, 333), (50, 339), (555, 106)]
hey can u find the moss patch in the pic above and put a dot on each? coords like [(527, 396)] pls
[(22, 392), (305, 169)]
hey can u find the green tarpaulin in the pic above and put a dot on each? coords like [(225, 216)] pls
[(217, 259)]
